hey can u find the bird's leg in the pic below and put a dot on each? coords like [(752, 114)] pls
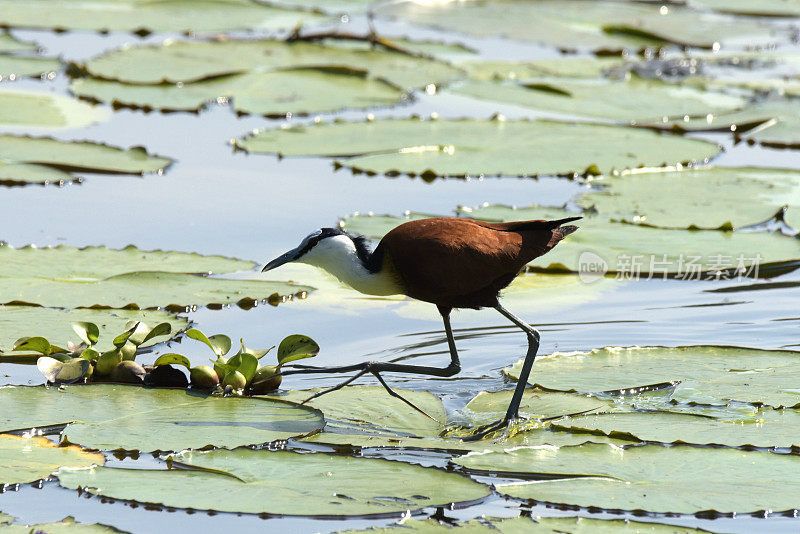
[(375, 368), (513, 407)]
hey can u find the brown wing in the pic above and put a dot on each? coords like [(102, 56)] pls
[(461, 262)]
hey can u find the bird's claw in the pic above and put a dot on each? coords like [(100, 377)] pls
[(510, 427)]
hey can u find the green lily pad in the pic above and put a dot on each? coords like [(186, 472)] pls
[(646, 478), (9, 43), (54, 324), (68, 525), (18, 108), (41, 159), (707, 374), (152, 16), (16, 67), (634, 251), (195, 61), (29, 459), (768, 8), (634, 100), (470, 146), (487, 407), (255, 481), (299, 91), (144, 290), (768, 428), (707, 198), (774, 123), (371, 408), (520, 525), (111, 417), (562, 67), (595, 25), (97, 263)]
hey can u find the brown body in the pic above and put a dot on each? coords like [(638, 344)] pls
[(463, 263)]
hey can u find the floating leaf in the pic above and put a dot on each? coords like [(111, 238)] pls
[(488, 407), (516, 525), (707, 374), (254, 481), (708, 198), (195, 61), (633, 100), (768, 428), (110, 417), (646, 478), (172, 16), (299, 92), (16, 67), (596, 25), (42, 159), (89, 332), (470, 146), (65, 372), (9, 43), (28, 459), (296, 347), (562, 67), (54, 324), (172, 359), (25, 108), (66, 526), (767, 8)]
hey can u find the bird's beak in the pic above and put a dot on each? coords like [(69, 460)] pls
[(280, 260)]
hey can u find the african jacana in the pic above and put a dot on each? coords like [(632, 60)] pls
[(450, 262)]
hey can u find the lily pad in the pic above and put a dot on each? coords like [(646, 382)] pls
[(707, 198), (520, 525), (707, 374), (646, 478), (194, 61), (255, 481), (29, 459), (634, 100), (111, 417), (470, 146), (768, 428), (767, 8), (18, 108), (66, 526), (561, 67), (97, 263), (594, 25), (54, 324), (371, 408), (487, 407), (634, 251), (16, 67), (144, 290), (42, 159), (298, 91), (9, 43), (151, 16)]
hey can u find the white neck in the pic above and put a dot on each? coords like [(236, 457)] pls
[(337, 255)]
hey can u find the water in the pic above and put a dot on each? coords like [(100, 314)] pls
[(215, 200)]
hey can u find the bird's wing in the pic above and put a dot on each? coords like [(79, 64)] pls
[(454, 257)]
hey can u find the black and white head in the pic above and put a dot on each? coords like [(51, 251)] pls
[(328, 248)]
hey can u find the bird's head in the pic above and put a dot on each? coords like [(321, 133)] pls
[(317, 247)]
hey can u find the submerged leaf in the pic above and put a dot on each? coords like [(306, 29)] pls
[(254, 481)]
